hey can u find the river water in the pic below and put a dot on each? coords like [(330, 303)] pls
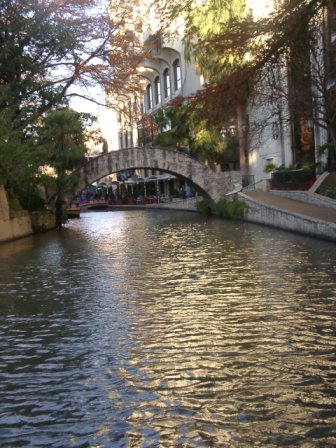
[(167, 329)]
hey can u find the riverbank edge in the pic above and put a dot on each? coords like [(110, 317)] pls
[(23, 224), (20, 224), (273, 216)]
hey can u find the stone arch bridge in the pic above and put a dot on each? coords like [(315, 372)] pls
[(210, 184)]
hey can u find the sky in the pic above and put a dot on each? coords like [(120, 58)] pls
[(260, 7), (106, 117)]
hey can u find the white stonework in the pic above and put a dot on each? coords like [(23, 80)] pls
[(12, 225), (211, 185)]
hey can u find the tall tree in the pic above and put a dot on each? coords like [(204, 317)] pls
[(48, 47), (204, 22), (238, 49), (62, 137), (187, 127)]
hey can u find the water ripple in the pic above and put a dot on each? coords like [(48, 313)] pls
[(167, 330)]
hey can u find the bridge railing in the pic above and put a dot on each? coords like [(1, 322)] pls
[(248, 182)]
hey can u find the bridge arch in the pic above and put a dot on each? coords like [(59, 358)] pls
[(210, 184)]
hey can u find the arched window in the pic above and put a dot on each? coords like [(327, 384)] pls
[(177, 74), (157, 90), (149, 97), (166, 83)]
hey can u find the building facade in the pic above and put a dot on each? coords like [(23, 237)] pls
[(163, 75), (283, 120), (291, 119)]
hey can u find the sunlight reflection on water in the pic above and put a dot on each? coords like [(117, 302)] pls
[(156, 329)]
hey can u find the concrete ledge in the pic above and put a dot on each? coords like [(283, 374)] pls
[(294, 222), (307, 197), (43, 221), (188, 204), (319, 181), (16, 227), (13, 225)]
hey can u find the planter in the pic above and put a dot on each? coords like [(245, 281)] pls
[(292, 180)]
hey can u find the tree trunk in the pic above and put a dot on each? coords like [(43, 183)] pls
[(59, 204), (59, 213), (241, 125), (331, 152)]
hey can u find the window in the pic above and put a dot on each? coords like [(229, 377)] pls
[(166, 83), (157, 90), (149, 97), (120, 139), (177, 75)]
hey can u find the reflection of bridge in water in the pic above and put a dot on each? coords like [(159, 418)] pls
[(207, 182)]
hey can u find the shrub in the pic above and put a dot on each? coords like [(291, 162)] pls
[(14, 205), (231, 209), (203, 207), (330, 192), (269, 167), (165, 139)]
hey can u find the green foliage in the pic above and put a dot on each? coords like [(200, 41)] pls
[(214, 145), (31, 43), (29, 197), (26, 36), (204, 24), (323, 149), (19, 159), (231, 208), (175, 121), (203, 207), (330, 192), (269, 167), (306, 166), (161, 119), (14, 205), (62, 138), (223, 35), (187, 127), (47, 47), (165, 139), (291, 167), (235, 50)]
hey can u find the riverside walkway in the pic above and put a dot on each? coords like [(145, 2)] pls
[(294, 206), (302, 212)]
